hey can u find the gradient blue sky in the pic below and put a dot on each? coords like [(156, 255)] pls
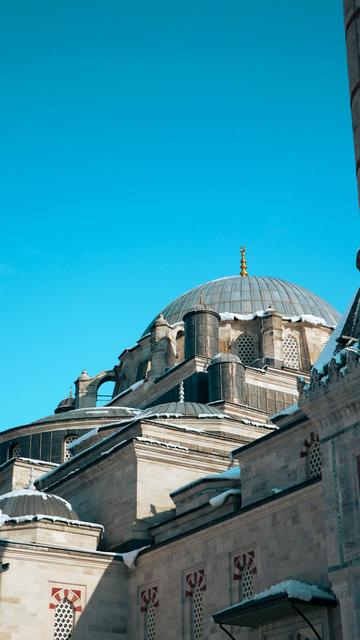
[(141, 144)]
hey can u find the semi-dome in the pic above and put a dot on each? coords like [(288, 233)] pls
[(180, 409), (249, 294), (30, 502)]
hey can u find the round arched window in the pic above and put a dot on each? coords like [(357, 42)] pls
[(246, 348)]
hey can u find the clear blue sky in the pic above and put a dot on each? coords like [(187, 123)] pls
[(141, 144)]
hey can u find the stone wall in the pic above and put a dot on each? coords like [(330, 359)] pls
[(97, 585), (266, 537)]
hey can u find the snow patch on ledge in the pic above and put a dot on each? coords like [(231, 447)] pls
[(168, 445), (289, 411), (39, 516), (218, 501), (304, 317), (82, 438), (234, 473), (294, 589), (46, 462), (129, 557)]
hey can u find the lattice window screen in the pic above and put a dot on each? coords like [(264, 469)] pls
[(247, 585), (150, 622), (197, 615), (15, 451), (314, 460), (291, 352), (67, 452), (246, 348), (64, 620)]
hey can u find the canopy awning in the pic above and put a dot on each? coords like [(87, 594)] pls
[(281, 601)]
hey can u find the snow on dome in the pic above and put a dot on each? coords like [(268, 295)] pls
[(180, 409), (29, 502), (252, 295)]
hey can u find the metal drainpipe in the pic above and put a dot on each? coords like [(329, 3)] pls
[(306, 620), (226, 631)]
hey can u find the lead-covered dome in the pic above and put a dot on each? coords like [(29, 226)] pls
[(249, 294), (20, 503), (180, 410)]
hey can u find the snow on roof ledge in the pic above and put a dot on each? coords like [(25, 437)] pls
[(289, 411), (234, 473), (304, 317), (5, 519), (293, 589)]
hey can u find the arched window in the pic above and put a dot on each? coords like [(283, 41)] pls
[(180, 346), (291, 352), (149, 602), (246, 348), (67, 452), (244, 572), (197, 614), (104, 393), (195, 587), (64, 620), (142, 370), (314, 460), (15, 450)]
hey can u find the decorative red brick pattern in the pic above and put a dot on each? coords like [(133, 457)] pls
[(149, 595), (242, 562), (60, 593), (195, 579)]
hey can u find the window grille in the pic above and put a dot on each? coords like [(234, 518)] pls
[(64, 620), (314, 460), (15, 451), (150, 622), (67, 451), (246, 348), (246, 585), (291, 352), (197, 614)]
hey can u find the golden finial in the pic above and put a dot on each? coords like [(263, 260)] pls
[(243, 267)]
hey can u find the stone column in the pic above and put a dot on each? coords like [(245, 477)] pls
[(160, 345)]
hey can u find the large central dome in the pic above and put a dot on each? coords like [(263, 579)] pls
[(248, 294)]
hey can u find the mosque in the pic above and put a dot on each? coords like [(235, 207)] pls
[(215, 494)]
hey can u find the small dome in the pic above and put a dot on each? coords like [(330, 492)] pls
[(89, 413), (65, 405), (30, 502), (247, 295), (180, 409)]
